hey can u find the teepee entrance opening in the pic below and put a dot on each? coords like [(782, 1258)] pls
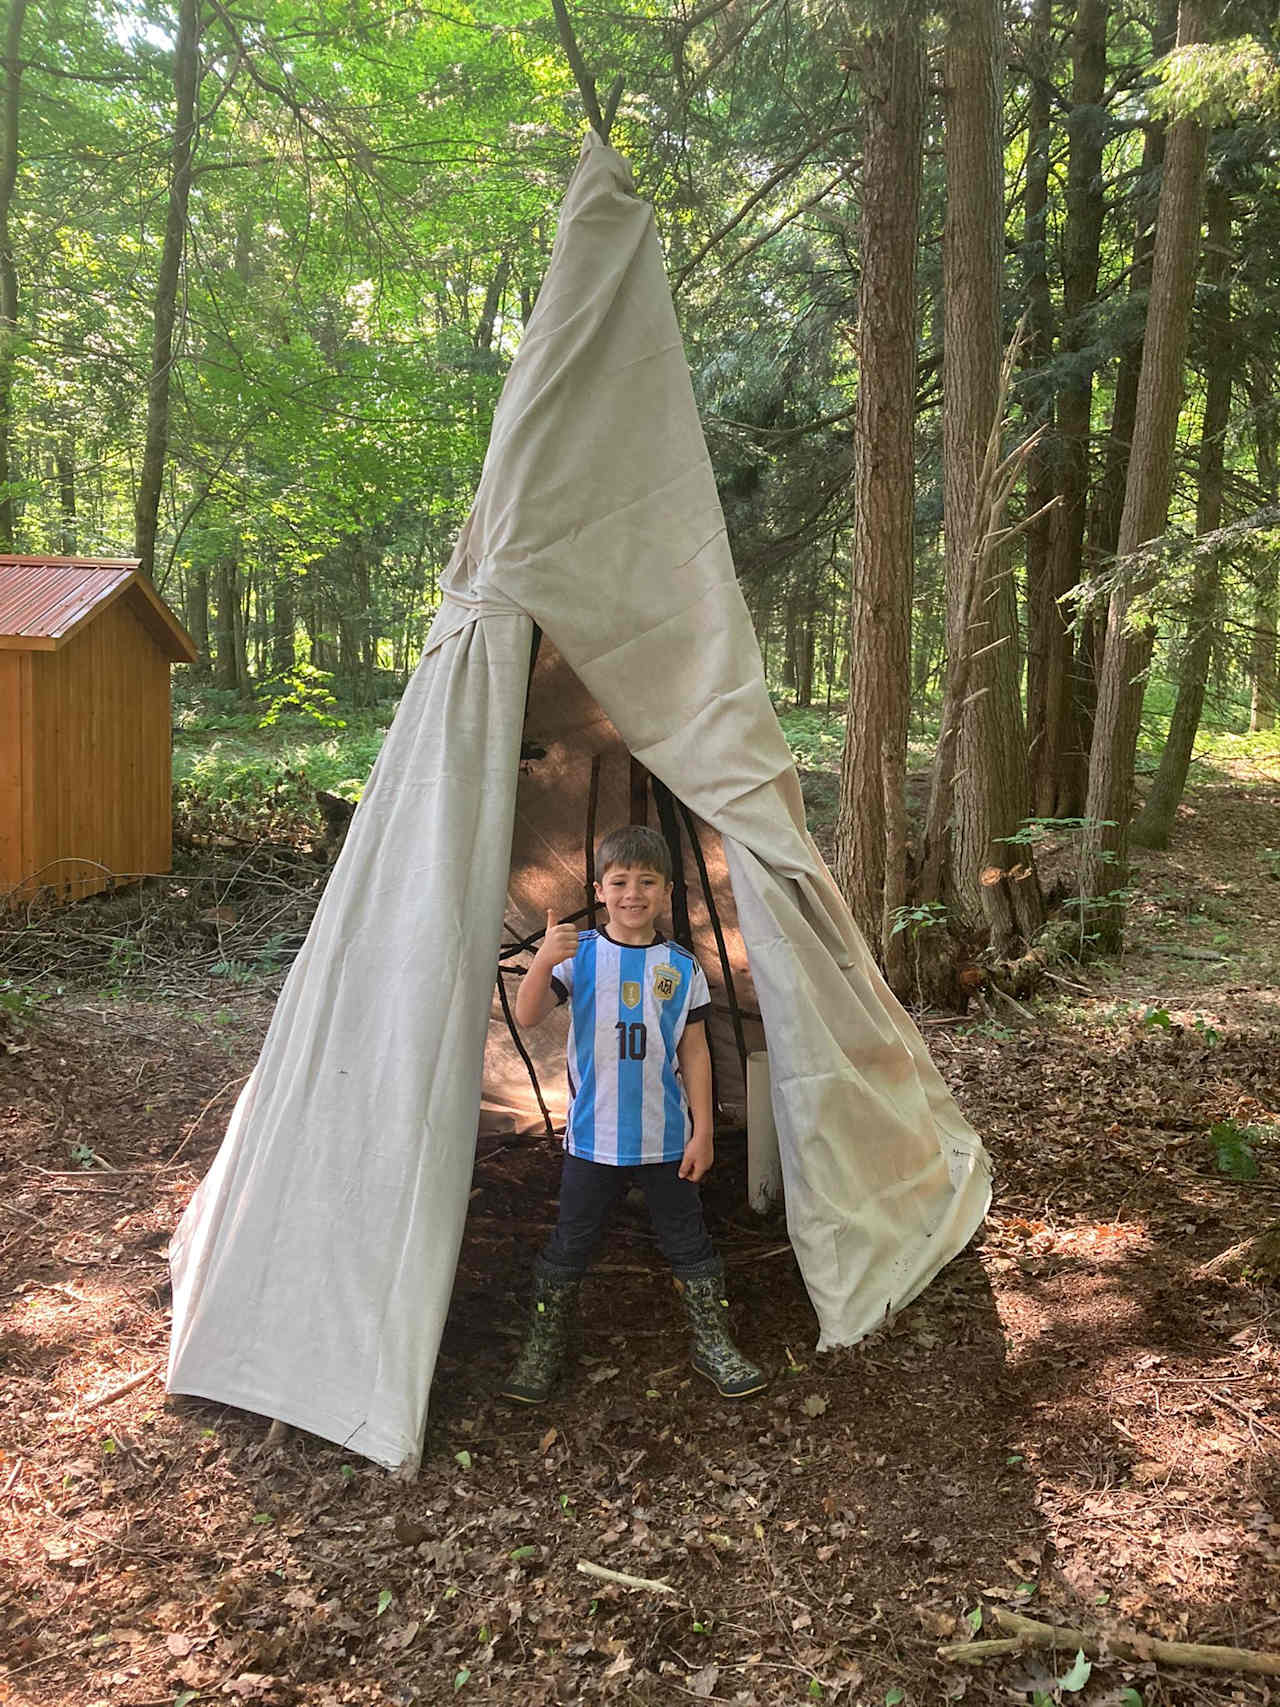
[(577, 782)]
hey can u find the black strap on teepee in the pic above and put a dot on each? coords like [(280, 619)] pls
[(593, 801), (665, 803), (524, 1056), (730, 988)]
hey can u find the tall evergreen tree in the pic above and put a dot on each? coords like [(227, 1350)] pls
[(992, 793), (1152, 826), (871, 826), (1146, 503)]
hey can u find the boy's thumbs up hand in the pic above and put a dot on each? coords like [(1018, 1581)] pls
[(560, 942)]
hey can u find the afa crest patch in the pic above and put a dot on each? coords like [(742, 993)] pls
[(666, 981), (630, 994)]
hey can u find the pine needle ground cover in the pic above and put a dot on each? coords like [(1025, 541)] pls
[(1079, 1421)]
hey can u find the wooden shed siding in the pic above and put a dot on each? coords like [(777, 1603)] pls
[(101, 761), (12, 742)]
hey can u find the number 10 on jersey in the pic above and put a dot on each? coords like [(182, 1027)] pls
[(633, 1040)]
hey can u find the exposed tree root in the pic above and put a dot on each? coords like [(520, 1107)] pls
[(1255, 1258)]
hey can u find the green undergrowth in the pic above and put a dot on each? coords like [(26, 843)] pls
[(252, 769), (1223, 743)]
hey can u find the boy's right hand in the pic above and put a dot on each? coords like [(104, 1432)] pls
[(560, 942)]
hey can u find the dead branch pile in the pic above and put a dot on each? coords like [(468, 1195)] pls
[(229, 913)]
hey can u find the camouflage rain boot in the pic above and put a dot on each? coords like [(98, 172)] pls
[(555, 1296), (714, 1353)]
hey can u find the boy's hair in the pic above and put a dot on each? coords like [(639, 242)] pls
[(634, 844)]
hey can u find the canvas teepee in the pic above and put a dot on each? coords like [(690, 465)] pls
[(592, 662)]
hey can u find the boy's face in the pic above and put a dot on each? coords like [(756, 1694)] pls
[(633, 896)]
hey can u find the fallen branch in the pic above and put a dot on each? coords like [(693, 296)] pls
[(119, 1392), (973, 1653), (608, 1576), (1181, 953), (1245, 1416), (1031, 1633), (186, 1136)]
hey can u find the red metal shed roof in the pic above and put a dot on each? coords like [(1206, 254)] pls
[(45, 600)]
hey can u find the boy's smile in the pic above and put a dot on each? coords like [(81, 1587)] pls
[(633, 896)]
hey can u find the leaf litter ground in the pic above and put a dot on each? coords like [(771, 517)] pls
[(1075, 1420)]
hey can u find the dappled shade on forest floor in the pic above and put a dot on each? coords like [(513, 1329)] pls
[(1073, 1419)]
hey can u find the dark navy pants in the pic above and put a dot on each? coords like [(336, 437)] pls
[(588, 1193)]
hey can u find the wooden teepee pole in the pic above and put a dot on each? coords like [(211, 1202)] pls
[(601, 121)]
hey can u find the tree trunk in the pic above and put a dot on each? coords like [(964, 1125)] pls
[(226, 672), (789, 642), (492, 303), (1108, 505), (805, 641), (284, 655), (1262, 642), (65, 461), (197, 615), (151, 477), (992, 784), (1082, 235), (1041, 473), (1146, 505), (240, 629), (1108, 497), (257, 621), (871, 825), (1153, 824), (8, 268), (363, 567)]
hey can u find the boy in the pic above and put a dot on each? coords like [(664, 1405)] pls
[(640, 1083)]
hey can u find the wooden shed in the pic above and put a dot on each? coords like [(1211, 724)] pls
[(86, 646)]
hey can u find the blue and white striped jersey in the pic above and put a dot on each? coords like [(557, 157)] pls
[(629, 1007)]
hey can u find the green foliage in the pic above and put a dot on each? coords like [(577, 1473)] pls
[(816, 740), (1219, 82), (305, 693), (237, 773), (1074, 1679), (19, 1003), (1232, 1147), (914, 920), (1033, 832)]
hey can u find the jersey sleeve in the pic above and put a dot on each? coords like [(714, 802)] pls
[(699, 997), (562, 980)]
